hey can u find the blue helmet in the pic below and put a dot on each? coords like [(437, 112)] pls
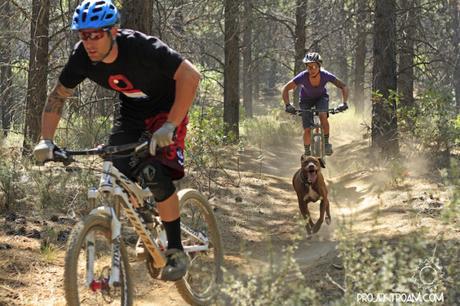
[(94, 14)]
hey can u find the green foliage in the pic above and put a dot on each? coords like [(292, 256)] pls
[(50, 186), (83, 132), (205, 131), (395, 266), (10, 176), (205, 143), (272, 285), (432, 123), (272, 129)]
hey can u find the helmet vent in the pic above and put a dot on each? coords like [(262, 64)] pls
[(97, 9), (109, 16), (94, 18), (83, 16)]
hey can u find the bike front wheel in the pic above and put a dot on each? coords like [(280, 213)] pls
[(88, 265), (203, 245), (317, 146)]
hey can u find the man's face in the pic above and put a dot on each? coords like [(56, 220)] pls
[(313, 68), (96, 42)]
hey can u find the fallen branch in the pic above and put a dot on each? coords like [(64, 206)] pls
[(329, 278)]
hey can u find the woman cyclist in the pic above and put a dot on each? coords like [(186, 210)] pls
[(313, 93)]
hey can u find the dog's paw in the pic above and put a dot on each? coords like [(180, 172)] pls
[(328, 220), (317, 226)]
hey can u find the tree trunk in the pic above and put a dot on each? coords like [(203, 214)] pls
[(407, 53), (384, 123), (247, 59), (300, 38), (38, 72), (138, 15), (5, 68), (360, 57), (231, 70), (341, 50), (256, 78), (455, 12)]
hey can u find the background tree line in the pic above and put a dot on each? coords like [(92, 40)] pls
[(400, 59)]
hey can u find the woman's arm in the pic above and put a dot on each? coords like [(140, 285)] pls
[(343, 88), (286, 88)]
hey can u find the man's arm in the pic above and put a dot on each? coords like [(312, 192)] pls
[(344, 89), (289, 86), (53, 110), (187, 79)]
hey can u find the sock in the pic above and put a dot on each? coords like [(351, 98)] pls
[(173, 234), (326, 139), (307, 150)]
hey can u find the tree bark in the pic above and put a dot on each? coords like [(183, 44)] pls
[(384, 122), (5, 68), (455, 12), (341, 50), (231, 69), (407, 53), (360, 58), (300, 39), (247, 59), (138, 15), (38, 72)]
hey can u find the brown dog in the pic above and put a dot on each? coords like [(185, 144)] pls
[(309, 185)]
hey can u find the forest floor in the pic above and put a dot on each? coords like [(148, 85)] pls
[(258, 216)]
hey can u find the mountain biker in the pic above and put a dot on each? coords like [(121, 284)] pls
[(312, 82), (156, 87)]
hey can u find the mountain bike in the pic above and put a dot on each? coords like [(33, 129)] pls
[(97, 269), (317, 144)]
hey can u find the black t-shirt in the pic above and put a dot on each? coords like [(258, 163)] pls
[(143, 74)]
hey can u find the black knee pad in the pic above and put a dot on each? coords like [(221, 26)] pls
[(155, 177)]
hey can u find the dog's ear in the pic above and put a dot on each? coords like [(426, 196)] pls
[(322, 163), (303, 158)]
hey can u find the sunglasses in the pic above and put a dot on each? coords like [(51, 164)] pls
[(92, 35)]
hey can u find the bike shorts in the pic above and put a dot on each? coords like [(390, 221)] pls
[(171, 157), (305, 104)]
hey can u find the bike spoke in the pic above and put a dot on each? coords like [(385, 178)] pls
[(198, 244)]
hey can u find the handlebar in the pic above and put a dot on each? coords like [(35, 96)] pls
[(65, 156), (315, 111)]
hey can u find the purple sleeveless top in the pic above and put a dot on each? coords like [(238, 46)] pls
[(308, 92)]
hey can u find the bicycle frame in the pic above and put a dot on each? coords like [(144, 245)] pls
[(116, 194), (136, 195)]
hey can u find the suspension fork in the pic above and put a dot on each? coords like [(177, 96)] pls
[(115, 226)]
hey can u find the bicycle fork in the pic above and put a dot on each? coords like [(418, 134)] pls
[(114, 278)]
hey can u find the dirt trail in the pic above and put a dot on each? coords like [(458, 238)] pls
[(257, 219)]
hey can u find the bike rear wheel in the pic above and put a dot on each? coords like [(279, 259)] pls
[(199, 228), (91, 238)]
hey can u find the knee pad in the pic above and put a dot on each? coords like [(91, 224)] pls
[(159, 182)]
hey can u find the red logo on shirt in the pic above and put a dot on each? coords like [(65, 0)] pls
[(120, 83)]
